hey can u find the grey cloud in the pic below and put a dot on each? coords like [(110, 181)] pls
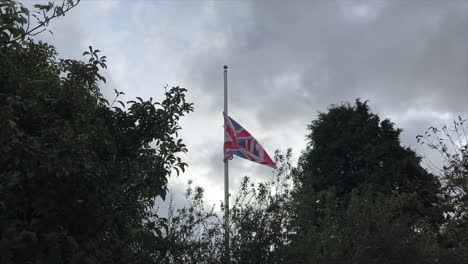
[(407, 54), (287, 60)]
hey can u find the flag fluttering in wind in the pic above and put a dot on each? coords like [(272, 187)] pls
[(239, 142)]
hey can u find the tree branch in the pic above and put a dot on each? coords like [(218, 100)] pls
[(44, 23)]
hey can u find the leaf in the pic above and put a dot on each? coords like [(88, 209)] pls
[(121, 103), (24, 10), (49, 6), (104, 101)]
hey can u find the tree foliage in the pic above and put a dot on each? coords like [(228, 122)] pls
[(192, 233), (78, 175), (260, 221), (360, 196), (452, 145), (259, 224)]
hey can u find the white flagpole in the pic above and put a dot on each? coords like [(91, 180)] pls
[(226, 177)]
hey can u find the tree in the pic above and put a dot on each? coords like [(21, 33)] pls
[(259, 224), (353, 163), (260, 217), (452, 145), (192, 233), (79, 175)]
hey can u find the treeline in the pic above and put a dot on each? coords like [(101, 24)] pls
[(79, 176)]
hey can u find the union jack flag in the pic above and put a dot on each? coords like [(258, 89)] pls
[(239, 142)]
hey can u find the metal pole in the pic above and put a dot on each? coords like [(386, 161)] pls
[(226, 179)]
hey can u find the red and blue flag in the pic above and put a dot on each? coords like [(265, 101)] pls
[(239, 142)]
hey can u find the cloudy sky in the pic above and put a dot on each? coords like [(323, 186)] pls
[(287, 61)]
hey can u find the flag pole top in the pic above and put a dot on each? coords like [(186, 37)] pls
[(225, 67)]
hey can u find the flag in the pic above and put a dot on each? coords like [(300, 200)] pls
[(239, 142)]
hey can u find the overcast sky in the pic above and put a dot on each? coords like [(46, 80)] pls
[(287, 61)]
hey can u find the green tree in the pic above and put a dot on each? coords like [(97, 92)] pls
[(452, 145), (353, 164), (78, 175), (259, 224), (192, 233), (260, 217)]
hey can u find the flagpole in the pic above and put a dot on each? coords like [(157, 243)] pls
[(226, 178)]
